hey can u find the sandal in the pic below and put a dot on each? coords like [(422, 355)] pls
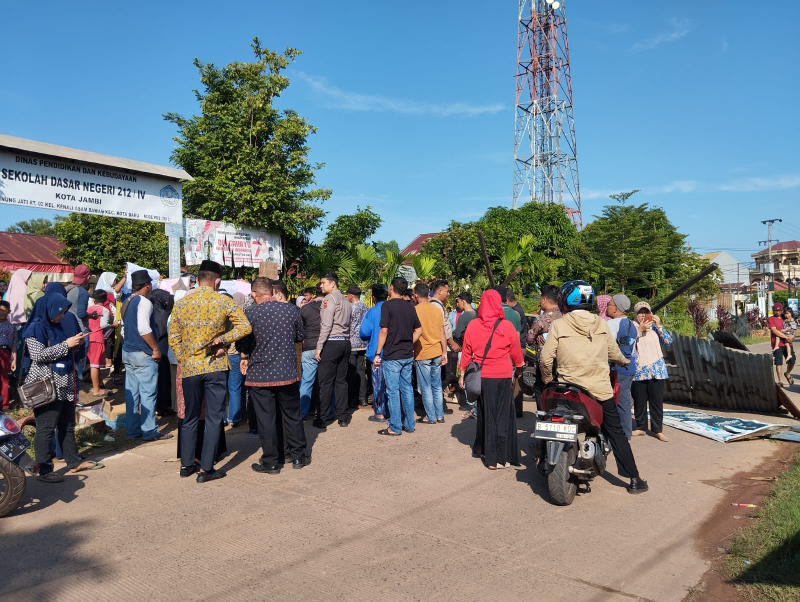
[(440, 420), (425, 421), (50, 477), (467, 415), (789, 378), (88, 465), (388, 433)]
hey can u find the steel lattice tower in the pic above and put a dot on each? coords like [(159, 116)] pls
[(545, 150)]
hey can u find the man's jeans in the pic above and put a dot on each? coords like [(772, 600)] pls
[(379, 405), (141, 387), (235, 389), (624, 406), (307, 381), (397, 376), (429, 381)]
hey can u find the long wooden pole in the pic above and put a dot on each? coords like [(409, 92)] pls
[(486, 259)]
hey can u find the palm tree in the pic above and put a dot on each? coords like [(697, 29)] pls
[(362, 268), (425, 267), (393, 263)]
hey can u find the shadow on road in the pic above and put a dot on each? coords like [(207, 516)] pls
[(39, 496)]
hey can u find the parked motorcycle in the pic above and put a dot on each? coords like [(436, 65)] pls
[(14, 462), (567, 441)]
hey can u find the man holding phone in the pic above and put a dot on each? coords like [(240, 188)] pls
[(140, 355)]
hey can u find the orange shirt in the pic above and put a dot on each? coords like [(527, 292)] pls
[(428, 346)]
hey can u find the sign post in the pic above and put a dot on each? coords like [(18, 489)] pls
[(174, 231)]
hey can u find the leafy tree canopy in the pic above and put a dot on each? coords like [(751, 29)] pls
[(553, 237), (249, 160), (106, 243), (38, 225), (382, 247), (635, 249), (351, 230)]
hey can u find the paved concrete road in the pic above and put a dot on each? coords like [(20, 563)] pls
[(412, 518)]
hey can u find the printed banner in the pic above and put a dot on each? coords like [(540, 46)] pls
[(720, 428), (228, 245), (63, 185)]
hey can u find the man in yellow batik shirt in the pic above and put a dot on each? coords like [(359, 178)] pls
[(198, 339)]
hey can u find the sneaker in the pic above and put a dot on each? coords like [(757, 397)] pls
[(161, 437), (637, 486), (187, 471)]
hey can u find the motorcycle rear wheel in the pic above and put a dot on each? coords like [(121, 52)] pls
[(12, 486), (560, 482)]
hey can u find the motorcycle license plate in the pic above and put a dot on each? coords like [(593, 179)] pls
[(556, 431), (15, 446)]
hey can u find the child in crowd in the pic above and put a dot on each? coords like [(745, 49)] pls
[(8, 352), (100, 323)]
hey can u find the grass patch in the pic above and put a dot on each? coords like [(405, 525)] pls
[(749, 340), (764, 560)]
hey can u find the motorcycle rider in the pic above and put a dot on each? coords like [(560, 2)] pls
[(581, 345)]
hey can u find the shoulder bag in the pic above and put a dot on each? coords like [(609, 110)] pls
[(38, 393), (472, 375)]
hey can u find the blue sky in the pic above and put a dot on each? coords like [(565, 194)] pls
[(694, 103)]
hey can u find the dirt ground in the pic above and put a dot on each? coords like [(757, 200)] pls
[(410, 518)]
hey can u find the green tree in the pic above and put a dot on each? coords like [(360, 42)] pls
[(249, 160), (635, 249), (381, 247), (106, 243), (552, 234), (38, 225), (351, 230)]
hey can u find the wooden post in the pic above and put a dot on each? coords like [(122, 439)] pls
[(486, 259), (513, 275), (268, 269)]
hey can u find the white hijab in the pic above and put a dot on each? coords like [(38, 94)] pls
[(106, 282)]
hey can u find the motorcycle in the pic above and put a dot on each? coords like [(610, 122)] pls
[(567, 442), (14, 462)]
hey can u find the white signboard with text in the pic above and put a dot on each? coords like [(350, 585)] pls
[(228, 245), (64, 185)]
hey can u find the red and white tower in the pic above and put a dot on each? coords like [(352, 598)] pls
[(545, 150)]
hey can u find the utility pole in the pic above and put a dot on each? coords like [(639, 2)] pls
[(769, 223)]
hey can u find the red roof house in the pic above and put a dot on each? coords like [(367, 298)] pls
[(415, 246), (32, 252)]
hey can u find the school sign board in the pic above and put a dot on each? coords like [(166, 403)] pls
[(46, 176)]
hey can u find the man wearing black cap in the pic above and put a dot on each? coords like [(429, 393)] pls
[(198, 338), (140, 355)]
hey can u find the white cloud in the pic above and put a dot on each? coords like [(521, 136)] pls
[(354, 101), (784, 182), (680, 29), (677, 186)]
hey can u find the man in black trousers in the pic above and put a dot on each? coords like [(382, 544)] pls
[(333, 351), (270, 370)]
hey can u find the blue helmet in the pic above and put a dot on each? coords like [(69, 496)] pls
[(575, 294)]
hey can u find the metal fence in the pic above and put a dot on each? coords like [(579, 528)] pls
[(710, 375)]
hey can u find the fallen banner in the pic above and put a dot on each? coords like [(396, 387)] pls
[(720, 428)]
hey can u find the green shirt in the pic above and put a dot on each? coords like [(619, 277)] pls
[(513, 317)]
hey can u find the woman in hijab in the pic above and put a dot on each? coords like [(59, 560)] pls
[(51, 349), (16, 296), (602, 306), (648, 385), (162, 308), (34, 291), (496, 434)]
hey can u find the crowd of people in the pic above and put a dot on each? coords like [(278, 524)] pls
[(217, 360)]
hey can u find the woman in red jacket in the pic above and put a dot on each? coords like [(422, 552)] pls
[(496, 435)]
